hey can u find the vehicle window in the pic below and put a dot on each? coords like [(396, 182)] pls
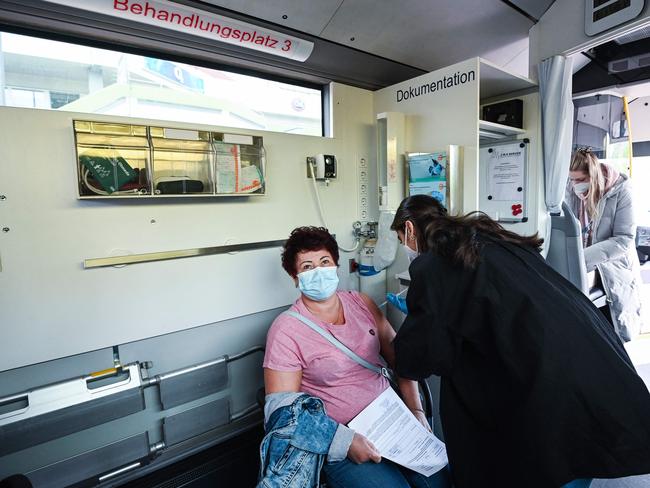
[(45, 74)]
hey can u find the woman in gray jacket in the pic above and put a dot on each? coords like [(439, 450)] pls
[(601, 198)]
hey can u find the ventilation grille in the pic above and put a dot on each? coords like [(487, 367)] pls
[(628, 64), (601, 15), (608, 10)]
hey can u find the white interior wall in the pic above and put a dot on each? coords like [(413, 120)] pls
[(437, 119), (561, 30), (433, 122), (536, 212), (640, 118), (51, 307)]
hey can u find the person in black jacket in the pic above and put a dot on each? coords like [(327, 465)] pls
[(537, 390)]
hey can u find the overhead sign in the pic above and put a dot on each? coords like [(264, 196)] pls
[(174, 16), (443, 83)]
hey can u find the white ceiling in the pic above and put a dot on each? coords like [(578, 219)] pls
[(427, 34), (534, 8)]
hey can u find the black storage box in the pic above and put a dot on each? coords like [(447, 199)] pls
[(509, 113), (179, 187)]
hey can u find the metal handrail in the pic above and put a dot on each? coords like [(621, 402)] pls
[(178, 254)]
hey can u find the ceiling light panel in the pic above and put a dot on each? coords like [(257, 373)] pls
[(637, 35)]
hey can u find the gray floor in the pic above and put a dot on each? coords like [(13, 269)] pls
[(640, 353), (633, 482)]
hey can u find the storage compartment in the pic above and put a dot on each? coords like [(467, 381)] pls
[(124, 160), (112, 159), (182, 161), (510, 113), (240, 164)]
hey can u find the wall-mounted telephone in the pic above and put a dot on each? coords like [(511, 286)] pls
[(323, 166)]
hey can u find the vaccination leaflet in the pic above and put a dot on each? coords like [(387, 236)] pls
[(399, 436)]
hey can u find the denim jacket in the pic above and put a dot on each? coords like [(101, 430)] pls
[(297, 440)]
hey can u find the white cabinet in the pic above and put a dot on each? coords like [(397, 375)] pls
[(391, 140)]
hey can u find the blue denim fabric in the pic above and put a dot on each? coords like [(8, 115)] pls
[(578, 484), (294, 448), (346, 474)]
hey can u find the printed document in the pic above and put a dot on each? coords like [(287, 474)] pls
[(249, 180), (235, 175), (399, 436), (228, 169), (506, 168)]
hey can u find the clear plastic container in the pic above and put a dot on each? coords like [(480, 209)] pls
[(113, 160)]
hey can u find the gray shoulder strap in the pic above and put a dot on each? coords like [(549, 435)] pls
[(339, 345)]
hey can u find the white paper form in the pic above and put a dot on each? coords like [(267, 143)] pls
[(228, 167), (399, 436)]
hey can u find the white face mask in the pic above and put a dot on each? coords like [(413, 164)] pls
[(410, 253), (581, 188)]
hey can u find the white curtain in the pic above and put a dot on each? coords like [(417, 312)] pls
[(555, 86)]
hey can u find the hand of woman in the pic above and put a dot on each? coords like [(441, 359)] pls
[(419, 414), (362, 450)]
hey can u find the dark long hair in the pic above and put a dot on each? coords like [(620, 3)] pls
[(453, 237)]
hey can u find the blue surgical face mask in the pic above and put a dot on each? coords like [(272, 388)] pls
[(318, 284)]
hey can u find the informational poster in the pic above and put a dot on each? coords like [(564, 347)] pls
[(428, 175), (503, 180), (506, 167)]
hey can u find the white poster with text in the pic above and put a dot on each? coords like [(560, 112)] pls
[(506, 167)]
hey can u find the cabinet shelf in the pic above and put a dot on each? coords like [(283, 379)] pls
[(497, 82), (491, 131)]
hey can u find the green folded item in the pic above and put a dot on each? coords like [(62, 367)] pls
[(110, 172)]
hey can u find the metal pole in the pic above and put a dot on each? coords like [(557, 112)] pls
[(626, 108)]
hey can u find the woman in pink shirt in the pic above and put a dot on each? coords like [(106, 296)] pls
[(298, 359)]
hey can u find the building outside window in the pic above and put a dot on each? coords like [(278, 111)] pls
[(44, 74)]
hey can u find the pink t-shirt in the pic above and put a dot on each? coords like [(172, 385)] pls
[(345, 386)]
